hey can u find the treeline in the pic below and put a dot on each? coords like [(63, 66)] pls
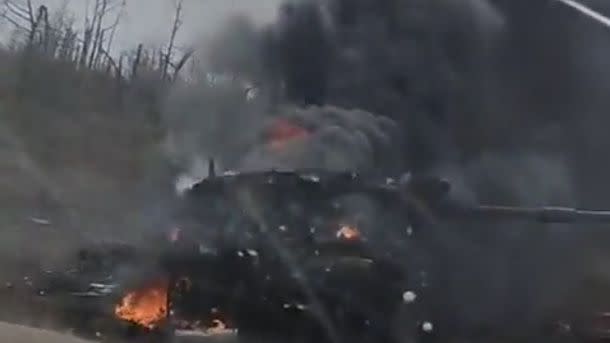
[(83, 117), (56, 36)]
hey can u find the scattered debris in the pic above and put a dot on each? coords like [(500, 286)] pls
[(427, 327), (409, 297)]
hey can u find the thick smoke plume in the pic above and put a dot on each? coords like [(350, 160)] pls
[(326, 137), (390, 59), (507, 98), (243, 132)]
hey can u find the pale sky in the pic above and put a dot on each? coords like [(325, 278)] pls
[(149, 21)]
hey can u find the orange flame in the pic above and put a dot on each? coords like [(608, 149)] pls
[(283, 131), (146, 307), (348, 233)]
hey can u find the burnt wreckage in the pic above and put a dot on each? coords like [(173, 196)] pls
[(279, 254)]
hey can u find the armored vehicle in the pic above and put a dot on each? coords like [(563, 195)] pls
[(293, 255)]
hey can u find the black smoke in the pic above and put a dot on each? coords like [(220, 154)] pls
[(506, 98), (406, 60)]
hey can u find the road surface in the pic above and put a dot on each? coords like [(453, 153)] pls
[(23, 334)]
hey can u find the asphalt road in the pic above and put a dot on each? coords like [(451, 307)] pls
[(12, 333), (23, 334)]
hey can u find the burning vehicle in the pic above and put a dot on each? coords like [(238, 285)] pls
[(279, 255)]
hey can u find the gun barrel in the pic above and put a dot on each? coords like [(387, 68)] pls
[(537, 214)]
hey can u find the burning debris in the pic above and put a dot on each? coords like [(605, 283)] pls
[(348, 233), (377, 80), (282, 132), (422, 67), (147, 307), (257, 282)]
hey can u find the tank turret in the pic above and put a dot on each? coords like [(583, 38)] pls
[(423, 194)]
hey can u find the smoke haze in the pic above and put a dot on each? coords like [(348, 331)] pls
[(505, 98)]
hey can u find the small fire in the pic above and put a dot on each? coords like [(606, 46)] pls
[(283, 131), (348, 233), (146, 307)]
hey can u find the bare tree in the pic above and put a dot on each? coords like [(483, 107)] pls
[(115, 25), (59, 33), (182, 62), (21, 14), (18, 13), (68, 45), (101, 7), (90, 47), (136, 62), (172, 40), (84, 50), (43, 16), (94, 33)]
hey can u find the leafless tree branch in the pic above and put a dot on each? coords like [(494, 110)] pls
[(170, 49), (16, 10), (114, 26), (14, 22), (178, 67)]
